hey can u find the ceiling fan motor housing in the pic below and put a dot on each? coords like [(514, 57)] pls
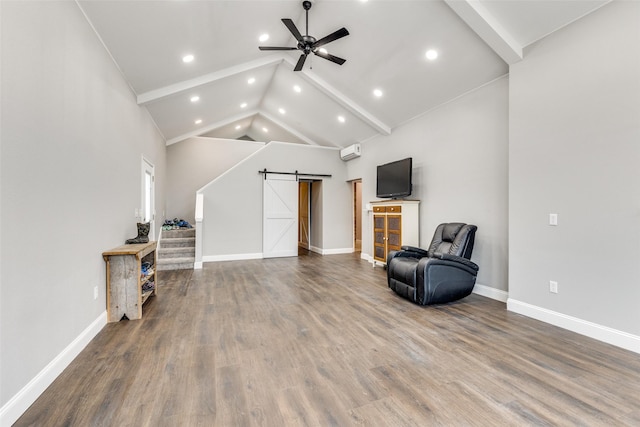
[(306, 43)]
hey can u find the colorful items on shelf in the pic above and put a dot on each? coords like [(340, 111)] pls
[(146, 268), (148, 286)]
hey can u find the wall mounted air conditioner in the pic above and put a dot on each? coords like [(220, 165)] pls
[(351, 152)]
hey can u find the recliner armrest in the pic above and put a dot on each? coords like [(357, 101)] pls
[(419, 251), (402, 254), (457, 259)]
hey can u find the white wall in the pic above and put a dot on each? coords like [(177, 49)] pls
[(72, 142), (233, 202), (195, 162), (575, 151), (459, 155)]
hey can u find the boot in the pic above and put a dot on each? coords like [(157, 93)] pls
[(143, 234)]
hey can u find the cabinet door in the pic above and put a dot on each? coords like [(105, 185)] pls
[(379, 232), (394, 233)]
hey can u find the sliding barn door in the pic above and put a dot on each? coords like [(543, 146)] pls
[(280, 216)]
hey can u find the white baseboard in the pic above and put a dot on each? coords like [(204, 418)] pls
[(489, 292), (315, 249), (593, 330), (371, 260), (18, 404), (337, 251), (231, 257), (366, 257)]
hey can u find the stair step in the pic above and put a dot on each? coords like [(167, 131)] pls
[(178, 232), (176, 252), (178, 242), (177, 249), (183, 263)]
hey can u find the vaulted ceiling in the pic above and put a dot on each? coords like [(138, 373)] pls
[(244, 92)]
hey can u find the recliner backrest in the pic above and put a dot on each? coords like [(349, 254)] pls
[(454, 238)]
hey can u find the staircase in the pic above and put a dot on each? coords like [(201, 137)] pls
[(177, 249)]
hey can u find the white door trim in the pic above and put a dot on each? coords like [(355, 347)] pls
[(147, 196)]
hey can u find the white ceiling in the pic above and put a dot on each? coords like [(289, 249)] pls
[(475, 39)]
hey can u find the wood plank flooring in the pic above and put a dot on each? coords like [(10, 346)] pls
[(321, 341)]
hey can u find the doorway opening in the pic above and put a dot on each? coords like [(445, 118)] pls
[(309, 216), (304, 215), (357, 215)]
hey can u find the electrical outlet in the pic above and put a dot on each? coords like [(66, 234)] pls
[(553, 286), (553, 219), (95, 292)]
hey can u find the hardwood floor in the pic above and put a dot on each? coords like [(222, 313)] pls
[(318, 341)]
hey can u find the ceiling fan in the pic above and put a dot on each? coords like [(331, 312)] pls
[(308, 44)]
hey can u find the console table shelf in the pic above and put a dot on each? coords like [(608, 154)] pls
[(125, 280)]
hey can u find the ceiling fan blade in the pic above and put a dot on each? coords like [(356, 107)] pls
[(330, 57), (300, 63), (276, 48), (292, 27), (331, 37)]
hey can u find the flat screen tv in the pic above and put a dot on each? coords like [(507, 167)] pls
[(394, 179)]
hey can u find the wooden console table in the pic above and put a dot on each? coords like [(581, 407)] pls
[(125, 280)]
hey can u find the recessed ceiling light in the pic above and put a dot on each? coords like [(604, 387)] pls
[(195, 98), (188, 58), (297, 88), (252, 80), (265, 129), (198, 121), (377, 92), (243, 105), (263, 37), (341, 119), (282, 110), (431, 54), (238, 127)]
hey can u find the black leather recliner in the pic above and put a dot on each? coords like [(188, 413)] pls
[(442, 274)]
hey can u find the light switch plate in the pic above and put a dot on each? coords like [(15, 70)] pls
[(553, 219)]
